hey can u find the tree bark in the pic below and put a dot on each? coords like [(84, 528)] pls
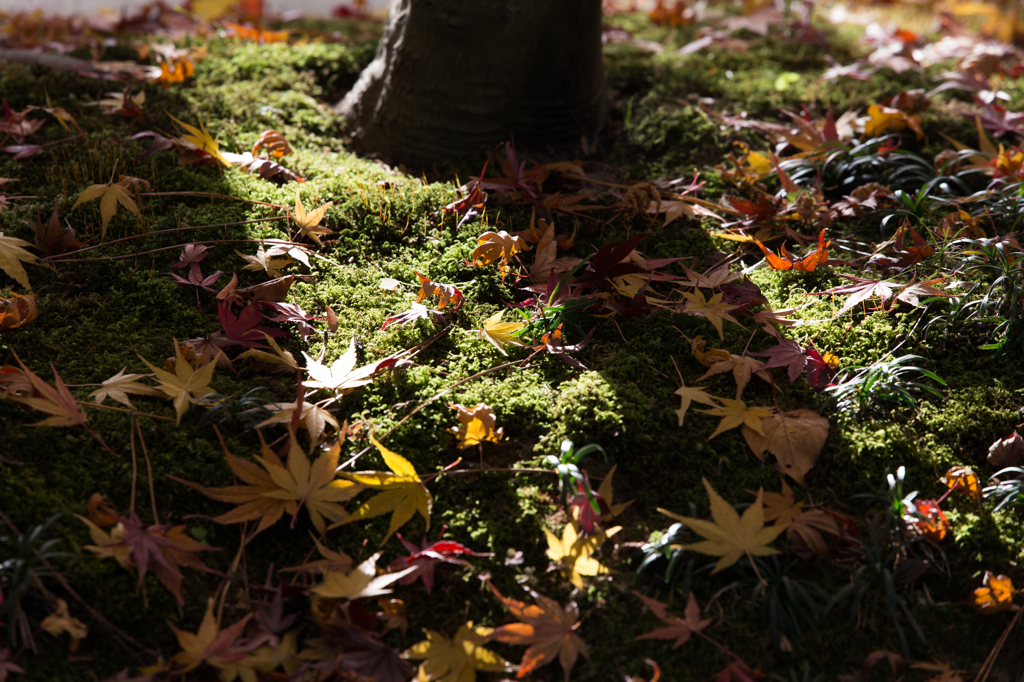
[(452, 77)]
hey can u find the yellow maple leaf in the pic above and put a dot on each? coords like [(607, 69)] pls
[(713, 309), (110, 195), (731, 536), (209, 644), (361, 581), (456, 659), (187, 384), (689, 394), (61, 621), (278, 488), (497, 246), (606, 494), (573, 553), (736, 413), (309, 223), (477, 426), (11, 257), (403, 493), (200, 138), (498, 333)]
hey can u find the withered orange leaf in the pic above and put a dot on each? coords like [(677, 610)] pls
[(964, 480), (446, 293), (547, 628), (995, 595), (17, 311), (786, 261)]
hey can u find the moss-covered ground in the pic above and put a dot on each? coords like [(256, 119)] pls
[(103, 310)]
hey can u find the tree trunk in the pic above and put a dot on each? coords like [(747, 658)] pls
[(452, 77)]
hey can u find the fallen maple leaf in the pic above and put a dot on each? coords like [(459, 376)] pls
[(713, 309), (110, 195), (11, 257), (403, 493), (277, 488), (200, 138), (314, 419), (17, 311), (734, 413), (548, 629), (573, 554), (264, 260), (417, 311), (498, 333), (342, 377), (795, 438), (805, 526), (446, 293), (477, 426), (456, 659), (821, 369), (120, 385), (51, 238), (788, 354), (786, 261), (741, 367), (309, 223), (729, 536), (187, 384), (282, 360), (54, 400), (678, 628), (124, 103), (209, 644), (688, 395), (361, 581), (423, 559)]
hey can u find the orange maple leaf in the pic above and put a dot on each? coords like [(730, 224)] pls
[(786, 261)]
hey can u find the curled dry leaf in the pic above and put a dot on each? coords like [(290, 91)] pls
[(446, 293), (1006, 452), (795, 438), (497, 247), (477, 425), (995, 594), (964, 480), (17, 311)]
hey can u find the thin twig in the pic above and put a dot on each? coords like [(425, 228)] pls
[(51, 259), (149, 470), (210, 195), (121, 409)]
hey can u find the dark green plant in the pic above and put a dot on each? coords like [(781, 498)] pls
[(1003, 303), (24, 561), (570, 477), (246, 412), (801, 675), (860, 388), (787, 607), (665, 548)]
